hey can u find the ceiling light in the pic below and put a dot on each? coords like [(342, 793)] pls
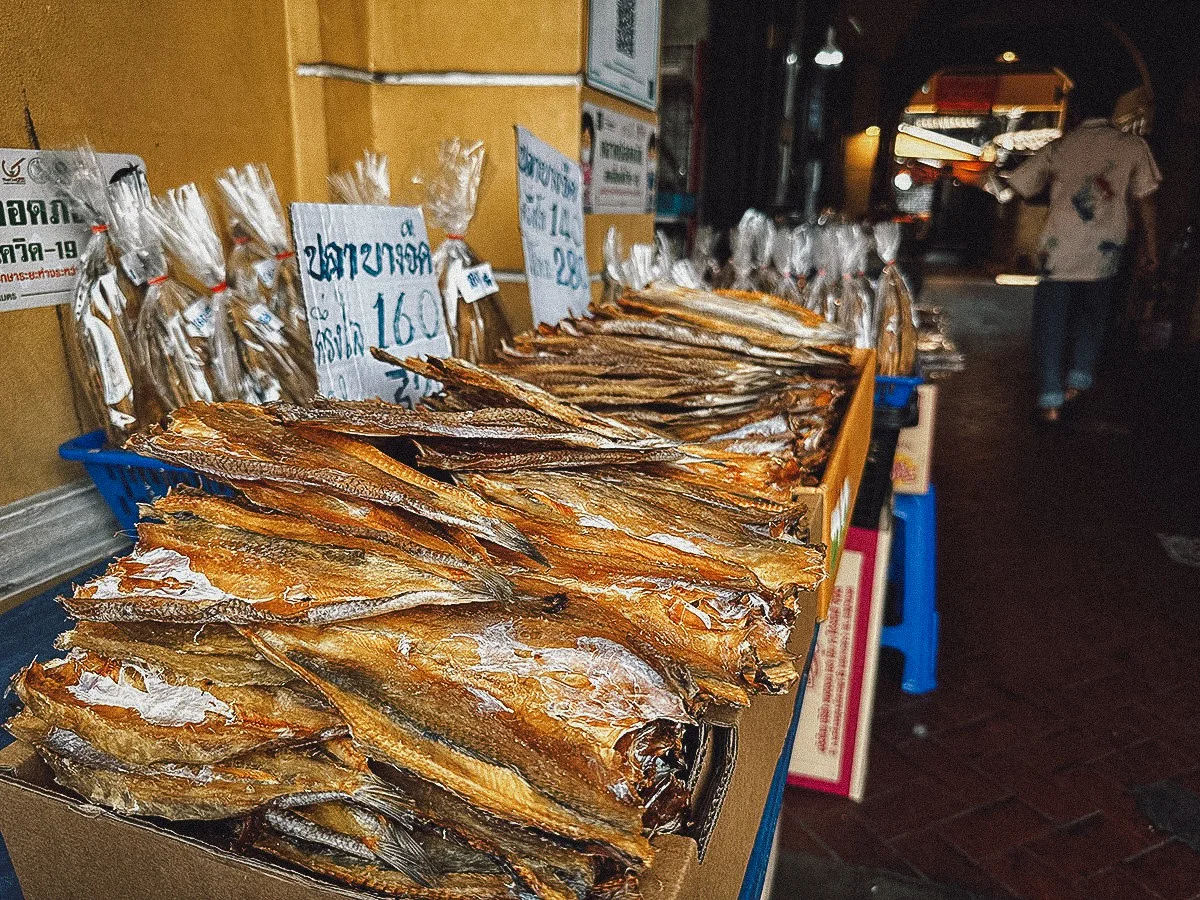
[(829, 56), (903, 181), (1008, 56), (872, 131)]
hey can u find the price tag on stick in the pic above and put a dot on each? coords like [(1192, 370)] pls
[(366, 273), (550, 205)]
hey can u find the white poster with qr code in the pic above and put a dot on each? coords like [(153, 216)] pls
[(623, 44)]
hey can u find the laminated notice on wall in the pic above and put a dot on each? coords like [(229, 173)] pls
[(550, 205), (367, 277), (619, 158), (40, 237)]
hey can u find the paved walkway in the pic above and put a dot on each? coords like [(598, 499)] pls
[(1070, 648)]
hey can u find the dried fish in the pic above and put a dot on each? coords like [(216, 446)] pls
[(238, 442), (519, 717), (215, 560)]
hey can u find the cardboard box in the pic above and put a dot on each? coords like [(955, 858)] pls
[(832, 501), (914, 450), (63, 847)]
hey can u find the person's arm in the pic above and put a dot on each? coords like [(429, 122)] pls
[(1033, 176), (1146, 216)]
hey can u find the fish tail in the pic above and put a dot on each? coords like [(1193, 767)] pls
[(400, 850)]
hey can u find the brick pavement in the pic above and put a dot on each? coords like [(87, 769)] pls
[(1070, 652)]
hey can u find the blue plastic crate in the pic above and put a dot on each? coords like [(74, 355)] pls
[(126, 479), (895, 390)]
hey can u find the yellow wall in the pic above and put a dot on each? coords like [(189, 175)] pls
[(195, 87), (190, 87), (860, 152)]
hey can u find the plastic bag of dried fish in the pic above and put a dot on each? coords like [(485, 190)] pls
[(704, 255), (170, 361), (269, 319), (766, 273), (738, 273), (897, 345), (475, 317), (100, 348), (801, 251), (613, 275), (183, 224), (856, 302), (823, 296), (367, 184), (784, 283)]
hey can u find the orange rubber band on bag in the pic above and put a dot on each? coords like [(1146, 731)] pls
[(157, 279), (99, 229), (216, 289), (286, 254)]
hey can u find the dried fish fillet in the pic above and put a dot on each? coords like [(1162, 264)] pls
[(144, 717), (210, 653), (194, 570), (515, 716), (239, 442)]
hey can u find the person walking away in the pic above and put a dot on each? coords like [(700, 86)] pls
[(1099, 178)]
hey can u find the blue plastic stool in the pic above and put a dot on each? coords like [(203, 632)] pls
[(914, 566)]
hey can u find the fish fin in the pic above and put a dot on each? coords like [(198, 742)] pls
[(400, 850)]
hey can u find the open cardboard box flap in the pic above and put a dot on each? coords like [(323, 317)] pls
[(64, 847)]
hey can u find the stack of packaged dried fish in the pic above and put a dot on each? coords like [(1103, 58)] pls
[(465, 667)]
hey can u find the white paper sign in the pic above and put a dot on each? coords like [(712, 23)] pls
[(623, 39), (618, 155), (476, 282), (40, 240), (367, 277), (550, 205)]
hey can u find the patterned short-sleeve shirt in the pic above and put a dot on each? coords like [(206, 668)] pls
[(1094, 172)]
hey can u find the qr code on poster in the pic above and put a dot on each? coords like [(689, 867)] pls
[(626, 26)]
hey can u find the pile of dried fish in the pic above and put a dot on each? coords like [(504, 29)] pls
[(449, 652), (748, 374)]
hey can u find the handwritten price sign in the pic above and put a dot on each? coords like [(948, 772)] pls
[(367, 277), (550, 204)]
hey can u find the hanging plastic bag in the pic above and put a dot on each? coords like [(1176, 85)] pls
[(169, 367), (738, 272), (784, 285), (801, 249), (766, 275), (614, 274), (269, 319), (823, 295), (367, 184), (183, 224), (704, 254), (897, 345), (476, 320), (638, 270), (100, 348), (856, 304)]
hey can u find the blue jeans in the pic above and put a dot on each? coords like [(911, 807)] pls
[(1068, 323)]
